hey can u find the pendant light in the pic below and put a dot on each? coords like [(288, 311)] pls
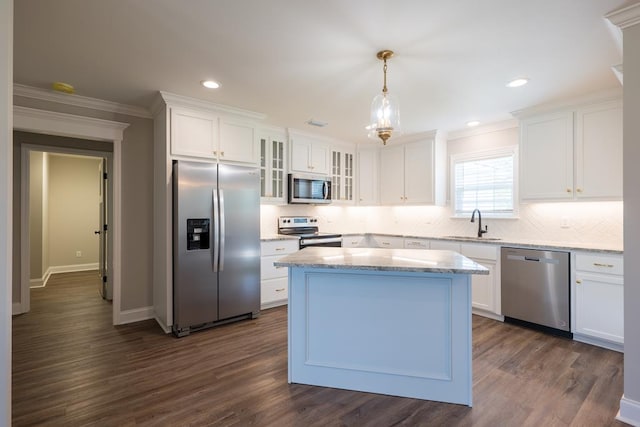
[(385, 113)]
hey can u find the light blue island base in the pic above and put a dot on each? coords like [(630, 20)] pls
[(401, 333)]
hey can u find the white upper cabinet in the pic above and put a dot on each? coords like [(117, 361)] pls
[(392, 175), (342, 174), (572, 155), (599, 151), (546, 157), (273, 174), (205, 134), (309, 155), (238, 141), (367, 173), (193, 133), (413, 173)]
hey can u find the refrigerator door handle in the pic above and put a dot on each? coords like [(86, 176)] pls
[(215, 233), (222, 231)]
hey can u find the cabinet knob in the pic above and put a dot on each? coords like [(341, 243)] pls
[(568, 190), (222, 153), (579, 190), (215, 153), (579, 282)]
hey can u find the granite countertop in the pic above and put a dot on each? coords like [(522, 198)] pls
[(406, 260), (534, 244), (276, 237)]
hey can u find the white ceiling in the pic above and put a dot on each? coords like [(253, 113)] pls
[(296, 60)]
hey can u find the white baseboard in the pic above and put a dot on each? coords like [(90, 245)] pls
[(136, 315), (164, 327), (41, 283), (71, 268), (599, 342), (16, 308), (36, 283), (629, 412), (488, 314)]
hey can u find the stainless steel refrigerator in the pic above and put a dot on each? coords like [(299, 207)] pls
[(216, 245)]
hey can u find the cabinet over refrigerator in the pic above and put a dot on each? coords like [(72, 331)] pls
[(216, 245)]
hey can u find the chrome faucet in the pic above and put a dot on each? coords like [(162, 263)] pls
[(473, 219)]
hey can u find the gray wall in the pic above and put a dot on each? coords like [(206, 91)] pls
[(137, 200), (36, 211), (632, 213)]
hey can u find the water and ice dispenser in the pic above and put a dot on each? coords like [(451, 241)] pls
[(197, 234)]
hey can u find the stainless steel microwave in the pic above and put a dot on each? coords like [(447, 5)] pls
[(313, 189)]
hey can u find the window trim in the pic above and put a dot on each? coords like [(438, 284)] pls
[(511, 150)]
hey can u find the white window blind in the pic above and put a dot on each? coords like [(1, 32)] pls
[(484, 182)]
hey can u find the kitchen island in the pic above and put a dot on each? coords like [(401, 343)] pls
[(390, 321)]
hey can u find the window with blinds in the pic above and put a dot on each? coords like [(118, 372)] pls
[(484, 181)]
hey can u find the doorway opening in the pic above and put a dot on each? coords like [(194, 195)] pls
[(67, 202), (35, 128)]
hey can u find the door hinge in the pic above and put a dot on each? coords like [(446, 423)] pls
[(104, 175), (104, 279), (105, 227)]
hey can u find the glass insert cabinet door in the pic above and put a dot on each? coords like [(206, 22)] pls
[(342, 175), (272, 167)]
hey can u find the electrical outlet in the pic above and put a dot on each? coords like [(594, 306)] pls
[(78, 254), (564, 222)]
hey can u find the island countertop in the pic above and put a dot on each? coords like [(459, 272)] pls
[(409, 260)]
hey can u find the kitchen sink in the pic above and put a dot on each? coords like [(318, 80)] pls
[(475, 239)]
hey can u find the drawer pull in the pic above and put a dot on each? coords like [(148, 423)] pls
[(279, 267), (279, 249), (597, 264), (280, 290), (386, 243)]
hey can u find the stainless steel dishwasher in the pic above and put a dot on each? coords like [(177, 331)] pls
[(535, 289)]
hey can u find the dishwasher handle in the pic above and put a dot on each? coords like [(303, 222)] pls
[(533, 259)]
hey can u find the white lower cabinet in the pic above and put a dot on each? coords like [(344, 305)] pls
[(416, 243), (387, 242), (485, 289), (274, 281), (354, 241), (599, 299)]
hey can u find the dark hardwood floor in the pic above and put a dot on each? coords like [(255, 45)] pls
[(72, 367)]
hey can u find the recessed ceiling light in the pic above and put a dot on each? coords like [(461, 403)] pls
[(473, 123), (520, 81), (210, 84)]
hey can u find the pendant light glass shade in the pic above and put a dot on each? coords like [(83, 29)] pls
[(385, 117), (385, 111)]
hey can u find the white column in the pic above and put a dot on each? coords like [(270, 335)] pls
[(628, 19)]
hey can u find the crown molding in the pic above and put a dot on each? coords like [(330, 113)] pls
[(568, 104), (483, 129), (62, 124), (185, 101), (626, 16), (79, 101)]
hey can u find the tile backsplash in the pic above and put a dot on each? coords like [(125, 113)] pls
[(579, 222)]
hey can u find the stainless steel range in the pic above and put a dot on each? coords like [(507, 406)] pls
[(306, 228)]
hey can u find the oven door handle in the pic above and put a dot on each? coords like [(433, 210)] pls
[(311, 242)]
